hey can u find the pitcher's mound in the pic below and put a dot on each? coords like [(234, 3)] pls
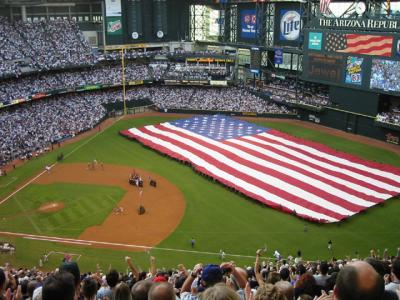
[(51, 207)]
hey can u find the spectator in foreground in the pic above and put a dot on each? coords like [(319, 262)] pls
[(59, 286), (358, 280), (161, 291), (269, 292), (122, 292), (394, 285), (89, 289), (140, 289), (219, 292)]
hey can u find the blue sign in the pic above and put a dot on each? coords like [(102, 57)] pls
[(248, 24), (290, 25), (278, 57), (315, 40)]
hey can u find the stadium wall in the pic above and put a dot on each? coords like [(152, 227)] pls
[(351, 122)]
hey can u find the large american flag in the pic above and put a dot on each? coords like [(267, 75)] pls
[(300, 177), (360, 44)]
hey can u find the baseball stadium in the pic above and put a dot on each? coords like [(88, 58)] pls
[(216, 149)]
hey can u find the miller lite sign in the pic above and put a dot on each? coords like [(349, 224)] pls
[(290, 25)]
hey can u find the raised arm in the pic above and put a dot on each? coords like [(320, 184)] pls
[(192, 276), (135, 271)]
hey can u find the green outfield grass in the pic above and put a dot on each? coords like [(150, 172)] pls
[(214, 216)]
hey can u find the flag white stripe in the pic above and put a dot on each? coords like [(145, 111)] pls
[(292, 189), (358, 176), (335, 158), (294, 174), (338, 180), (236, 181)]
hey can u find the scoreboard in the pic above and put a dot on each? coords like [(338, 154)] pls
[(362, 60)]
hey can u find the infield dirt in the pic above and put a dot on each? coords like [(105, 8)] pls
[(164, 204)]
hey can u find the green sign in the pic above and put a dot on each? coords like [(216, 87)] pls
[(114, 26)]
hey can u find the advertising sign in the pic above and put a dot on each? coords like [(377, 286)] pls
[(315, 40), (278, 57), (290, 25), (325, 67), (248, 21), (113, 8), (354, 70), (114, 26)]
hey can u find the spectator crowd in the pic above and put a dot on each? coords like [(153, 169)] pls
[(33, 126), (290, 91), (106, 73), (41, 45), (374, 278)]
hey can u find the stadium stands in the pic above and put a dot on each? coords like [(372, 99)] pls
[(34, 126), (286, 279), (44, 45)]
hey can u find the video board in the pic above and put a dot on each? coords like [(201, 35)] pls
[(362, 60)]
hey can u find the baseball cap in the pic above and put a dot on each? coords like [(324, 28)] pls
[(211, 274)]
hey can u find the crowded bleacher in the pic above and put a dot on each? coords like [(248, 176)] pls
[(376, 277), (392, 116), (32, 127), (41, 45), (291, 90)]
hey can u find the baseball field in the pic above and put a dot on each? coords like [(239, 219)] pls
[(89, 210)]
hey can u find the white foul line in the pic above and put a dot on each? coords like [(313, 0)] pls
[(91, 243)]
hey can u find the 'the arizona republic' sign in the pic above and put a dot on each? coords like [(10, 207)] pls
[(290, 25), (368, 24)]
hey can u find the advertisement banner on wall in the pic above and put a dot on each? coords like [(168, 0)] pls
[(113, 8), (354, 70), (248, 24), (288, 24), (114, 26), (315, 40), (278, 56)]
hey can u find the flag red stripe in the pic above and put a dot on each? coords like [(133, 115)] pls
[(245, 177), (334, 173), (304, 162), (272, 172), (354, 40), (370, 51), (203, 170), (345, 156)]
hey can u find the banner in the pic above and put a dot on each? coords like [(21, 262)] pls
[(248, 21), (287, 24), (278, 57), (290, 25), (218, 83), (354, 70), (113, 8), (114, 26), (135, 82), (315, 40), (38, 96), (92, 87)]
